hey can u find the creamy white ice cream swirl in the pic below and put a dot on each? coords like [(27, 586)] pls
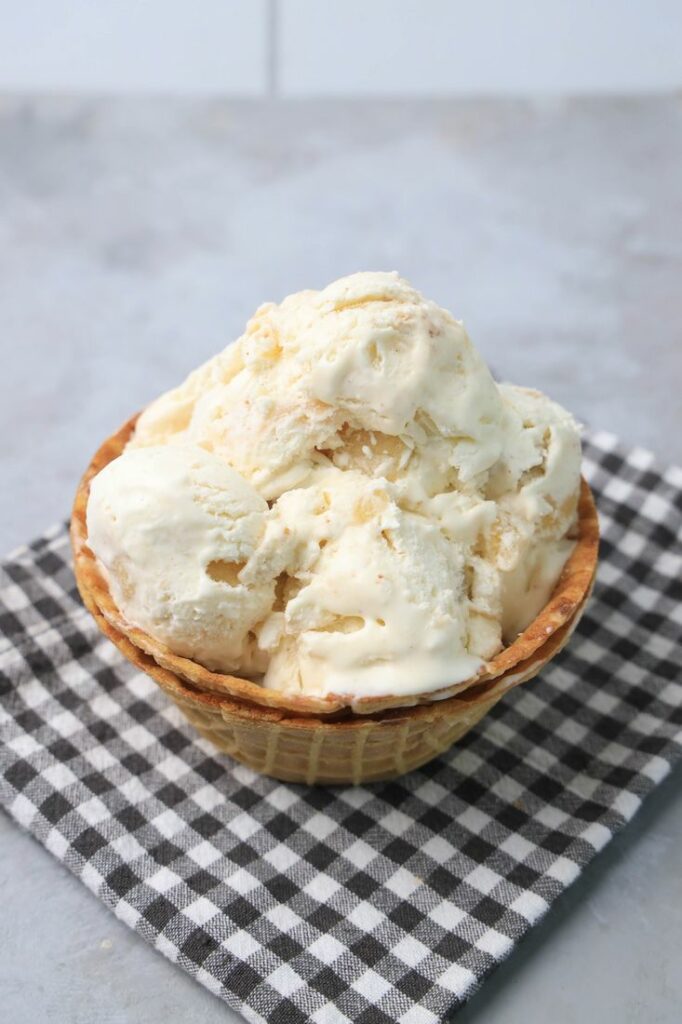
[(390, 515)]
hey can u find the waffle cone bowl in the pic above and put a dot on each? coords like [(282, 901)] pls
[(337, 739)]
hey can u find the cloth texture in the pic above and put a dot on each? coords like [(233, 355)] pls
[(381, 904)]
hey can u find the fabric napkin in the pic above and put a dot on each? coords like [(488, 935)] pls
[(382, 904)]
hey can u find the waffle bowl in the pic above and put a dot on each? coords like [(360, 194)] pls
[(336, 739)]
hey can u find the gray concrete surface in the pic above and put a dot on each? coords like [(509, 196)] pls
[(137, 236)]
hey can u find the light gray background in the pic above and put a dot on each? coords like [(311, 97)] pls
[(307, 48), (135, 239)]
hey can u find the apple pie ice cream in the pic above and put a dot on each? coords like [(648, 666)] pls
[(343, 502)]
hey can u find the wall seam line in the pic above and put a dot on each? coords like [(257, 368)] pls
[(272, 49)]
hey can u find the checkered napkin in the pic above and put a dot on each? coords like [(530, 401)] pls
[(375, 905)]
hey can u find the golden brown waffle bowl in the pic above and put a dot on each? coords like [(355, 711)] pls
[(335, 739)]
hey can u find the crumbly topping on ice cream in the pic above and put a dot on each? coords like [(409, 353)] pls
[(389, 515)]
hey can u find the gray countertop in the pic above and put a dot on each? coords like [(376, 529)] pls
[(135, 239)]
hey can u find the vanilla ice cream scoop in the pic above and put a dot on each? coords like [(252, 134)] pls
[(375, 597), (342, 502), (174, 528), (363, 370)]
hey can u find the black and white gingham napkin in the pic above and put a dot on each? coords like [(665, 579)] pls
[(384, 904)]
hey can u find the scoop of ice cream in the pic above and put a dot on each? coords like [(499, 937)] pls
[(516, 529), (372, 598), (529, 542), (540, 464), (174, 528), (366, 373), (420, 514)]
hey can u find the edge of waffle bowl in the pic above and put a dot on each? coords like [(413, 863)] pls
[(341, 749), (541, 636)]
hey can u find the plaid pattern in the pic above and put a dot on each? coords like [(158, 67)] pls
[(377, 904)]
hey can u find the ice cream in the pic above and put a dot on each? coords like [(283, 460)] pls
[(375, 596), (173, 529), (365, 364), (394, 515)]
